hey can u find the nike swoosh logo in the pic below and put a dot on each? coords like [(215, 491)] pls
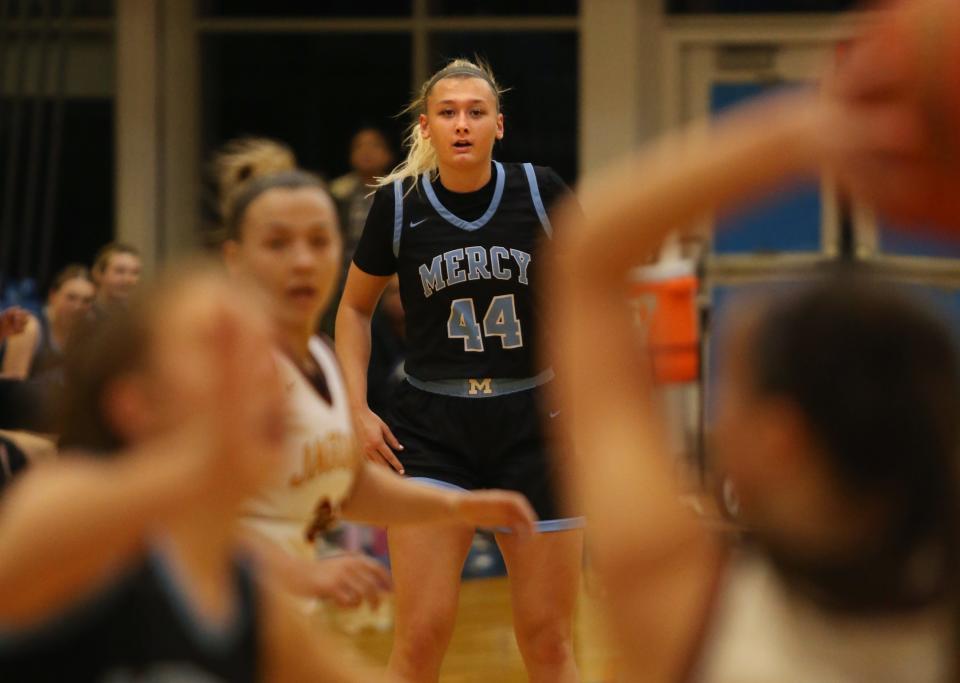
[(413, 225), (554, 413)]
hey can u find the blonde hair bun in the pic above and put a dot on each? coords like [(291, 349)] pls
[(244, 159)]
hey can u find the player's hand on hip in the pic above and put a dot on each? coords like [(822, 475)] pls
[(376, 440), (350, 579), (497, 510)]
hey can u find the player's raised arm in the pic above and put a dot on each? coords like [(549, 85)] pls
[(60, 522), (652, 551), (634, 204)]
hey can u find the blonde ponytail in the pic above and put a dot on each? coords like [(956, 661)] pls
[(421, 156), (244, 159)]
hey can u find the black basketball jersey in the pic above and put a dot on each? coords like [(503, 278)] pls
[(139, 628), (468, 265)]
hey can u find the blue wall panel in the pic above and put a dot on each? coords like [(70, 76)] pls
[(903, 243), (725, 299), (790, 222)]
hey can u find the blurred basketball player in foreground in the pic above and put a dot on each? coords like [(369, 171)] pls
[(837, 417), (122, 563)]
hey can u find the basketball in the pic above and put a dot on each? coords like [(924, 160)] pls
[(908, 62)]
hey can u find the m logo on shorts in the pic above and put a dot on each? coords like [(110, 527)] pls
[(478, 386)]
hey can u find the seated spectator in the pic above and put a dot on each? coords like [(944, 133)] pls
[(116, 272), (38, 349), (20, 402)]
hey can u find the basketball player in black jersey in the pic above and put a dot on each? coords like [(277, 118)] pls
[(463, 233)]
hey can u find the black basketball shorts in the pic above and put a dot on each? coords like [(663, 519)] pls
[(493, 442)]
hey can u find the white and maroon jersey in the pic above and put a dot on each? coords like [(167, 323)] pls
[(320, 461), (761, 631)]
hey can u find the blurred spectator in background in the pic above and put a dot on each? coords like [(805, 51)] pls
[(20, 404), (371, 155), (116, 272), (38, 349), (13, 398)]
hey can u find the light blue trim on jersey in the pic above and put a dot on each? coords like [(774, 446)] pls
[(537, 199), (437, 483), (544, 526), (485, 387), (448, 216), (548, 526), (397, 215), (562, 524)]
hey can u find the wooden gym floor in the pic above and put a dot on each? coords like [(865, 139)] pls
[(483, 649)]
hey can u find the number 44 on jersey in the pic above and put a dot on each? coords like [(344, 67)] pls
[(500, 320)]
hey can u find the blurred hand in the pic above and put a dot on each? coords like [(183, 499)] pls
[(348, 580), (250, 417), (376, 440), (497, 510), (220, 384), (13, 320), (891, 138)]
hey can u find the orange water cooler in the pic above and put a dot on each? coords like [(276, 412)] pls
[(664, 301)]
